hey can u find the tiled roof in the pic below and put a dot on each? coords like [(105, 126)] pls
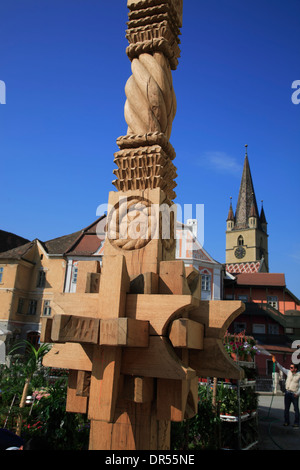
[(8, 241), (17, 253), (261, 279), (230, 213), (62, 244), (246, 201), (85, 241)]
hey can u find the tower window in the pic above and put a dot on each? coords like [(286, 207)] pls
[(240, 240)]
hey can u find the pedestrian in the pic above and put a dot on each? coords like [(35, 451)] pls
[(292, 392)]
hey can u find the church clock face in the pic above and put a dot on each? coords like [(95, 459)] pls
[(240, 252)]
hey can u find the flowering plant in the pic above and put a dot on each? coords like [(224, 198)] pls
[(240, 345), (33, 429), (42, 393)]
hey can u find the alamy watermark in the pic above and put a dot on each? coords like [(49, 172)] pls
[(136, 221), (295, 355), (2, 92), (296, 94)]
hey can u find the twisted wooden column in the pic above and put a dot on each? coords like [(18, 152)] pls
[(136, 353), (145, 157), (151, 101)]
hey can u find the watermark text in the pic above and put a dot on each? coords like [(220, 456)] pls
[(296, 94), (2, 92)]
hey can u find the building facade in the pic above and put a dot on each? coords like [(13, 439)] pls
[(271, 316), (35, 277)]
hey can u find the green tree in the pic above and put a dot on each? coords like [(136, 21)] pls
[(33, 358)]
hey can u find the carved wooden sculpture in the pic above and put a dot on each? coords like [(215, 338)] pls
[(136, 355)]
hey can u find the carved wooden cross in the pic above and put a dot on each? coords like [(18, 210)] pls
[(124, 369), (136, 355)]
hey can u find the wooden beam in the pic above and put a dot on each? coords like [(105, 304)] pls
[(70, 356), (158, 360), (177, 399), (138, 389), (159, 309), (124, 332), (46, 330), (217, 315), (193, 278), (104, 383), (214, 361), (146, 283), (185, 333), (172, 279), (83, 383), (75, 403), (69, 328), (115, 284)]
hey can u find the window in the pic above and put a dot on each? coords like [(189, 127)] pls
[(32, 307), (41, 281), (1, 274), (229, 297), (74, 275), (273, 301), (240, 240), (238, 327), (21, 305), (47, 308), (244, 298), (206, 282), (273, 329), (289, 331), (71, 276), (258, 328)]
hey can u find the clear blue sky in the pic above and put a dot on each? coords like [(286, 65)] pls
[(65, 68)]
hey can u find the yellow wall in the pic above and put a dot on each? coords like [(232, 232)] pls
[(20, 279), (252, 243)]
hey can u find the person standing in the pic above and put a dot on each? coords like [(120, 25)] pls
[(292, 392)]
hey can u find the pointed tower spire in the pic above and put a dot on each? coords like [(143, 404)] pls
[(262, 218), (230, 217), (230, 213), (246, 200)]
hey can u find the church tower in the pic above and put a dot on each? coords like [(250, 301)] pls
[(246, 234)]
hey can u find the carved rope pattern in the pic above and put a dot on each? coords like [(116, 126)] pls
[(151, 101)]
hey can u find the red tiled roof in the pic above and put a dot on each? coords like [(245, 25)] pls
[(261, 279), (87, 245), (276, 348)]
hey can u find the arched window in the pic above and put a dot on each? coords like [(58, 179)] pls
[(240, 240)]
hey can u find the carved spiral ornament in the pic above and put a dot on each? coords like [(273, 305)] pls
[(131, 224), (151, 101)]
